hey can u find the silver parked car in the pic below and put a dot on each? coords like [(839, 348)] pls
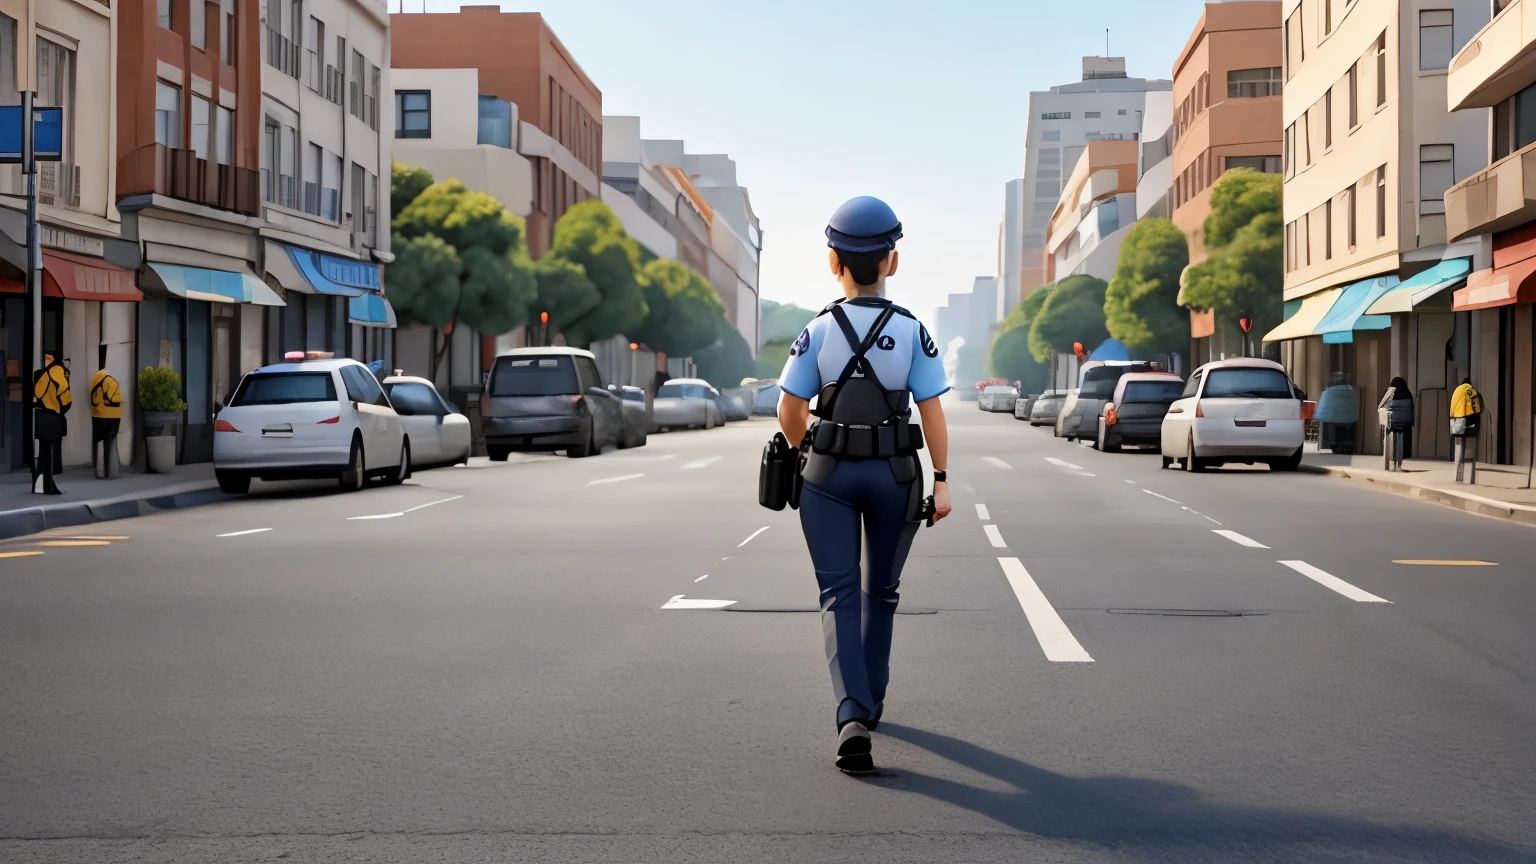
[(438, 430), (635, 426), (687, 403)]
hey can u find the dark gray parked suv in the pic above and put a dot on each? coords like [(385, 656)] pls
[(547, 399)]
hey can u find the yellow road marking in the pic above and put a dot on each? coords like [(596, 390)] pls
[(75, 543), (27, 554), (92, 537), (1429, 562)]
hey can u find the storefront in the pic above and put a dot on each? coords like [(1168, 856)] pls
[(1498, 303), (335, 304)]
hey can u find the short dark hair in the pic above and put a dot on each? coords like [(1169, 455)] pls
[(863, 266)]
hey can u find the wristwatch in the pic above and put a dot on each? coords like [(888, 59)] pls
[(941, 476)]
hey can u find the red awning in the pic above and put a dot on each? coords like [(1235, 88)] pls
[(78, 277), (1498, 286)]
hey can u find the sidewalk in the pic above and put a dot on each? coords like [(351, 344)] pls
[(87, 499), (1499, 491)]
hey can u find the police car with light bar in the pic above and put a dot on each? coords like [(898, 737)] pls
[(313, 416)]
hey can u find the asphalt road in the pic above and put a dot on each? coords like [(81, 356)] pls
[(483, 670)]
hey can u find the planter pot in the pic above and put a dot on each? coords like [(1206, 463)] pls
[(169, 423), (161, 451)]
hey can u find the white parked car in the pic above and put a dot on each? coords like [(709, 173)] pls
[(438, 431), (310, 417), (998, 398), (686, 403), (1241, 410)]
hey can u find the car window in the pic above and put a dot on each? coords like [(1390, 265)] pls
[(1099, 382), (1250, 383), (670, 391), (694, 391), (284, 388), (1192, 386), (364, 387), (632, 394), (415, 399), (587, 371), (1152, 391), (534, 376)]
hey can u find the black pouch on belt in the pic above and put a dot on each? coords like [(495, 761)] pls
[(776, 473)]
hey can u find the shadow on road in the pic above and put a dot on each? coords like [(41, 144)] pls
[(1153, 820)]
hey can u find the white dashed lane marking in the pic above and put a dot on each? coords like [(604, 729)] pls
[(1239, 539), (243, 533), (1058, 643), (619, 479), (1333, 582), (982, 514), (752, 536), (995, 536), (701, 463), (997, 463), (1062, 463), (1164, 497), (680, 602), (407, 510)]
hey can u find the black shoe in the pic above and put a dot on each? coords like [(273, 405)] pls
[(853, 749)]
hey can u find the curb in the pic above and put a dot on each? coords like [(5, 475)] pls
[(34, 520), (1457, 500)]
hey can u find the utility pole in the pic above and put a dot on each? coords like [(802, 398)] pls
[(20, 126)]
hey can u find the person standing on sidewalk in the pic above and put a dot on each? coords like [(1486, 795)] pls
[(1466, 423), (50, 386), (1338, 411), (106, 418)]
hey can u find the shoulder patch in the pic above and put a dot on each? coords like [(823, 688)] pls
[(802, 344), (886, 343), (929, 348)]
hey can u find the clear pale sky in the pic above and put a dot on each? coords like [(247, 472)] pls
[(920, 103)]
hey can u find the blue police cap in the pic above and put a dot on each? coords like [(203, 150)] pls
[(864, 224)]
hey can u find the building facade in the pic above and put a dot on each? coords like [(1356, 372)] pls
[(1370, 151), (1094, 213), (1226, 114), (1010, 248), (1154, 181)]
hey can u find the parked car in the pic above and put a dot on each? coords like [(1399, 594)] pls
[(734, 405), (437, 429), (998, 398), (1047, 407), (312, 416), (548, 399), (636, 424), (1240, 410), (686, 403), (1069, 403), (968, 394), (1022, 406), (1134, 414), (1096, 384), (765, 402)]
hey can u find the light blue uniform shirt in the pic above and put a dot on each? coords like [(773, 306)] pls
[(903, 358)]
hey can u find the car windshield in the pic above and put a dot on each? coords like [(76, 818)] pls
[(1252, 383), (534, 376), (632, 395), (284, 388), (1153, 391), (1100, 383), (670, 391)]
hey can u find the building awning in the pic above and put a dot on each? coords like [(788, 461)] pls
[(1498, 286), (1306, 318), (1422, 287), (370, 310), (213, 286), (310, 272), (80, 277), (1348, 312)]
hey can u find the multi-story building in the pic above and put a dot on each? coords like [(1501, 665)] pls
[(1370, 151), (1105, 105), (982, 311), (1095, 211), (188, 186), (1227, 109), (1154, 181), (1010, 248), (325, 145), (63, 51), (1493, 71)]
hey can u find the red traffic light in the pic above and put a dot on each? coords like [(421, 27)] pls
[(543, 317), (1246, 323), (1077, 348)]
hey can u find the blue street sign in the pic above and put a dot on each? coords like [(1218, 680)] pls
[(47, 134)]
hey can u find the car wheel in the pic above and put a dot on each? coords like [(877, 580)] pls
[(233, 482), (1289, 463), (641, 441), (1192, 462), (497, 454), (354, 477), (586, 449), (403, 470), (1167, 462)]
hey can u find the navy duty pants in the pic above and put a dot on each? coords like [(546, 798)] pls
[(857, 610)]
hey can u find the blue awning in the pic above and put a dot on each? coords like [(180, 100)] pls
[(1110, 349), (1348, 312), (328, 274), (214, 286), (370, 310), (1413, 292)]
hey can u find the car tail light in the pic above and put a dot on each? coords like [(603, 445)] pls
[(330, 421), (1110, 417), (1199, 410), (224, 426), (575, 399), (1308, 410)]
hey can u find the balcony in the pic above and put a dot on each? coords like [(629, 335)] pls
[(1499, 61), (1500, 197), (180, 174), (282, 53)]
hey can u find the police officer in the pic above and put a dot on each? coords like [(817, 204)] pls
[(50, 386), (864, 361), (106, 417)]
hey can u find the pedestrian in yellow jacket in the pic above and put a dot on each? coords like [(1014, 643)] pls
[(106, 418), (50, 386), (1466, 401)]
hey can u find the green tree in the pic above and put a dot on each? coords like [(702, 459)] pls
[(406, 182), (772, 357), (726, 362), (1073, 313), (1010, 356), (1243, 273), (1141, 306), (460, 256), (565, 292), (782, 322), (589, 234), (685, 314)]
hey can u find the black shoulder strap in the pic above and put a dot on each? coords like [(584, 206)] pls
[(860, 347), (829, 307)]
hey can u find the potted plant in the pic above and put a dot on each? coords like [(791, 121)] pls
[(160, 397)]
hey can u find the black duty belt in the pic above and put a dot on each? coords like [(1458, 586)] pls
[(866, 442)]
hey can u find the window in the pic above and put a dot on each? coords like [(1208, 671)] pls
[(330, 187), (1327, 17), (415, 400), (199, 25), (1192, 386), (163, 13), (1247, 383), (1091, 115), (227, 32), (1349, 215), (1121, 112), (1381, 202), (225, 130), (1328, 230), (371, 101), (313, 156), (271, 146), (1289, 148), (1381, 70), (361, 386), (1436, 44), (167, 115), (1251, 83), (413, 113), (337, 88), (545, 376), (1354, 95), (56, 89), (287, 176), (1056, 115), (202, 116), (1264, 164), (1304, 138), (355, 88), (1437, 173), (1050, 135), (1294, 55), (1304, 235), (1290, 246), (1328, 119), (495, 122), (358, 203), (314, 73)]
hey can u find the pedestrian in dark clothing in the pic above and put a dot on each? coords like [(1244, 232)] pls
[(50, 387), (1399, 404)]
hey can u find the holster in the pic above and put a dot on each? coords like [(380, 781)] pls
[(778, 473)]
